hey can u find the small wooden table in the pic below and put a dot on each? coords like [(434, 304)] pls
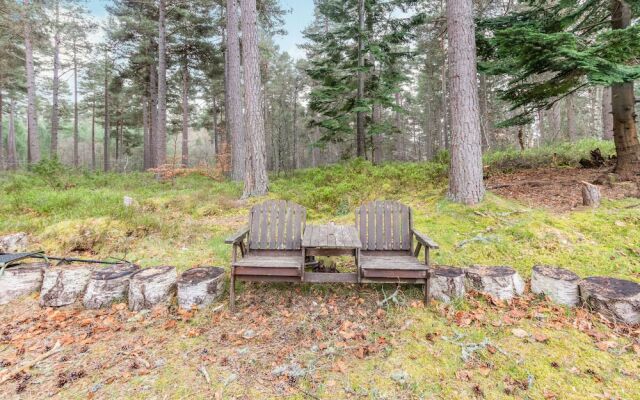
[(331, 240)]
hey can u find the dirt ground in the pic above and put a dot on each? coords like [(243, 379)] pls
[(558, 189)]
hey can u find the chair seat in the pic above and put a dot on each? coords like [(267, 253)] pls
[(269, 265), (392, 267)]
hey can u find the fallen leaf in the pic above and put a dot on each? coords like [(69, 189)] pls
[(541, 338), (606, 345)]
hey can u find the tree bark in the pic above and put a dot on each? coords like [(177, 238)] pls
[(108, 285), (93, 133), (214, 133), (107, 164), (2, 162), (145, 133), (465, 177), (199, 287), (76, 139), (160, 136), (33, 143), (235, 123), (21, 280), (55, 87), (151, 286), (625, 134), (64, 284), (446, 283), (12, 156), (571, 118), (360, 115), (256, 181), (185, 114), (560, 285), (500, 282), (153, 115), (617, 300), (607, 114)]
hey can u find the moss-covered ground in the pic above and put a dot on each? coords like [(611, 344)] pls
[(344, 344)]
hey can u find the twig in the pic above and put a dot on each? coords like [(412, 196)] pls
[(393, 296), (55, 349), (204, 373)]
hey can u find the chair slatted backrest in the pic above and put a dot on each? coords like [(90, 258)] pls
[(276, 225), (384, 225)]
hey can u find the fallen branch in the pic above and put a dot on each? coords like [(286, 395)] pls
[(204, 373), (55, 349)]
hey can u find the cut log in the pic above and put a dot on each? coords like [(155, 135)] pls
[(446, 283), (500, 282), (108, 285), (64, 284), (616, 299), (21, 280), (14, 243), (199, 287), (560, 285), (151, 286), (590, 195)]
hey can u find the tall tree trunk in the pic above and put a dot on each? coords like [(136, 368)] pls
[(12, 157), (235, 125), (118, 122), (296, 159), (378, 139), (146, 151), (33, 143), (55, 87), (93, 134), (397, 121), (571, 118), (360, 115), (160, 136), (607, 114), (185, 114), (256, 181), (107, 164), (554, 121), (625, 134), (465, 177), (153, 114), (2, 162), (76, 158), (214, 132)]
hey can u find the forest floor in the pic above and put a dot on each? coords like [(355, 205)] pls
[(314, 341)]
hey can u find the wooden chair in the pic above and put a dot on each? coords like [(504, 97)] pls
[(388, 255), (272, 252)]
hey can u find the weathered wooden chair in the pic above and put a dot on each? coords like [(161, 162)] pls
[(272, 252), (387, 254)]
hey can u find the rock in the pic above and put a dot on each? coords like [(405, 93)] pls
[(14, 243), (64, 284), (128, 201), (446, 283), (616, 299), (199, 287), (560, 285), (151, 286), (21, 280), (500, 282), (108, 285)]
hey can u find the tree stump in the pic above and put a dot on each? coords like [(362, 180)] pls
[(590, 194), (616, 299), (14, 243), (151, 286), (560, 285), (199, 287), (500, 282), (21, 280), (108, 285), (446, 283), (64, 284)]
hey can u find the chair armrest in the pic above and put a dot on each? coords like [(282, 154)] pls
[(425, 240), (237, 237)]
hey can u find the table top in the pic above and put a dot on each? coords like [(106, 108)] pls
[(331, 236)]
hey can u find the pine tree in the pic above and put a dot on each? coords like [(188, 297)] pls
[(553, 49)]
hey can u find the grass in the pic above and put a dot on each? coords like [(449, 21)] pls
[(184, 222)]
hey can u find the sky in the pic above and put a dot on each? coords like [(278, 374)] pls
[(299, 17)]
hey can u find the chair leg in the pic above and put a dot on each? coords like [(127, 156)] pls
[(232, 292), (427, 293)]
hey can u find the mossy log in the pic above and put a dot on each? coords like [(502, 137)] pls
[(560, 285), (21, 280), (108, 285), (199, 287), (500, 282), (446, 283), (151, 286), (14, 243), (64, 284), (617, 300)]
